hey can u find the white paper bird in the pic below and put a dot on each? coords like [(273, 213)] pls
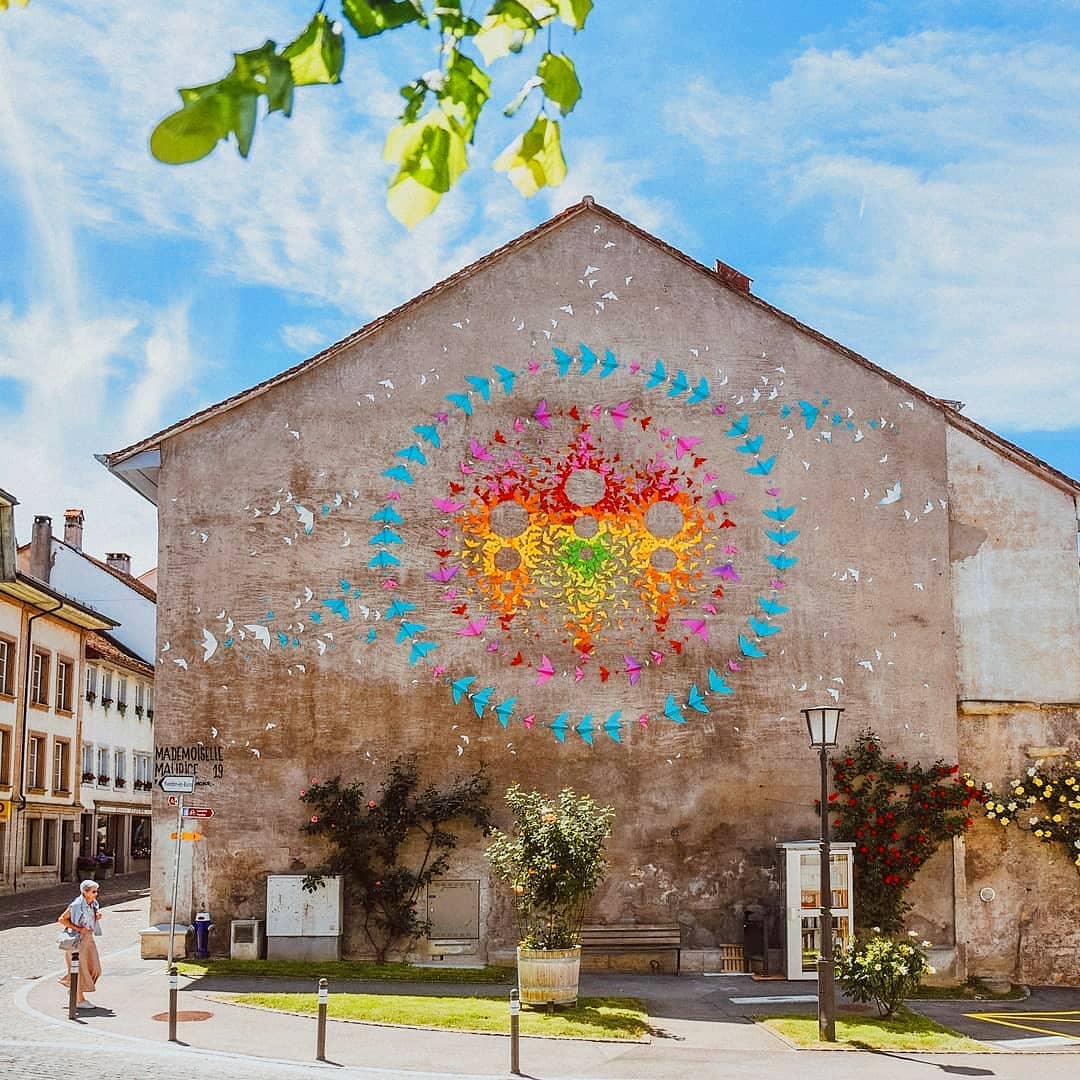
[(892, 495), (209, 644), (259, 633)]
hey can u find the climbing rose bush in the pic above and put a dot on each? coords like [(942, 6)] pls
[(1046, 803), (883, 970)]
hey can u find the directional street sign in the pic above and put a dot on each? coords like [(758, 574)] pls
[(180, 785), (198, 811), (185, 836)]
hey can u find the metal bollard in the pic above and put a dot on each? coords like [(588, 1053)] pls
[(324, 995), (515, 1012), (174, 986), (73, 989)]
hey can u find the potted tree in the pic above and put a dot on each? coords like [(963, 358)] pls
[(553, 861)]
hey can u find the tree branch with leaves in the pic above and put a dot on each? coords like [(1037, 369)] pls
[(430, 144)]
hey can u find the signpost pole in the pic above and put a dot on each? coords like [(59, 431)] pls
[(176, 875)]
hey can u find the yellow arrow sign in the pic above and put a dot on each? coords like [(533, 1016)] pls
[(1012, 1019), (186, 836)]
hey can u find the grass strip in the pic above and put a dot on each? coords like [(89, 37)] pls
[(904, 1030), (343, 969), (972, 990), (590, 1018)]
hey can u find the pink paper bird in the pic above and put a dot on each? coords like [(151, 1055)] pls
[(727, 572), (479, 451), (720, 409), (734, 665), (720, 498), (389, 583), (776, 583), (443, 531), (684, 444), (595, 412), (635, 367), (444, 573), (438, 672), (578, 674), (619, 414), (664, 433), (643, 720), (466, 469), (772, 491), (519, 424), (474, 628), (534, 366), (394, 496), (710, 477), (442, 417), (657, 656), (529, 720), (544, 671), (493, 646), (450, 594), (543, 416), (697, 626), (633, 669), (730, 549), (710, 608), (447, 506)]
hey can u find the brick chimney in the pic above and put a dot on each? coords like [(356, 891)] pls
[(41, 548), (73, 527), (733, 277), (119, 560)]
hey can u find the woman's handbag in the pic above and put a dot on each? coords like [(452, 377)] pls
[(68, 941)]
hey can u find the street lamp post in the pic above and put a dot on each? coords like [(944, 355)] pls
[(822, 723)]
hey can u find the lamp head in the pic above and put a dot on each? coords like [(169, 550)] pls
[(823, 723)]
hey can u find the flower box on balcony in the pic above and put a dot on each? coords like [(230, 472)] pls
[(119, 782), (89, 777), (138, 710), (121, 707), (103, 778), (149, 714), (106, 702), (91, 696)]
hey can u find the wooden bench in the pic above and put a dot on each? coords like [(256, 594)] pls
[(633, 938)]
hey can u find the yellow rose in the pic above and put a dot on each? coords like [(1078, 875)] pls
[(1057, 817)]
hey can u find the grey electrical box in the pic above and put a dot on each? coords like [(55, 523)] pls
[(302, 925), (454, 911)]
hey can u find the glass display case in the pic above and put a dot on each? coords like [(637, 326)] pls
[(800, 869)]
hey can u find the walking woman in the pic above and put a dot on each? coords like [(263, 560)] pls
[(83, 915)]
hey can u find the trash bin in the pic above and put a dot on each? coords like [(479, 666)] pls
[(203, 926)]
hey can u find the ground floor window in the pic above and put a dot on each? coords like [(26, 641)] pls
[(40, 842), (140, 838)]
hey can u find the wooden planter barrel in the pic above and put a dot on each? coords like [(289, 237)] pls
[(548, 975)]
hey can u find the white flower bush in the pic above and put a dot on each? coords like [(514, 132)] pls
[(883, 970)]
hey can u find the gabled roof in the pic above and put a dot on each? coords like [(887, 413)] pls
[(137, 465), (130, 581), (29, 590), (105, 647)]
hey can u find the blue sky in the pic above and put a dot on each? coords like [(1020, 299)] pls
[(901, 177)]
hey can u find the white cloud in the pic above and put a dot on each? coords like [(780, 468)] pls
[(304, 338), (940, 169)]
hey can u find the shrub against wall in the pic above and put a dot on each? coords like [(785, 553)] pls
[(896, 813), (368, 839)]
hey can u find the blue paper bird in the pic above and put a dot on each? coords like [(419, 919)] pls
[(740, 427), (679, 385), (371, 635), (385, 535), (763, 629), (481, 698), (810, 413), (283, 639), (717, 683), (505, 710), (506, 377), (420, 649), (699, 393), (673, 710), (782, 561), (612, 725), (481, 385), (409, 630), (658, 376), (785, 411), (783, 537), (388, 516), (316, 616), (748, 648), (779, 513), (563, 361), (762, 468), (588, 359), (696, 700), (460, 687), (558, 726), (338, 607), (345, 586), (412, 453), (608, 364), (751, 446), (461, 401), (383, 559), (585, 729), (398, 608), (429, 433), (398, 472), (771, 607)]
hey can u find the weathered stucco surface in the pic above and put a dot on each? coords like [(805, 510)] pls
[(868, 619)]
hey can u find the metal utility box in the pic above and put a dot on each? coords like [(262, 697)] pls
[(454, 912), (247, 939), (303, 925)]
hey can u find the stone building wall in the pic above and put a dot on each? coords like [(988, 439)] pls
[(345, 581)]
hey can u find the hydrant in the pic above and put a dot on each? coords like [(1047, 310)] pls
[(203, 926)]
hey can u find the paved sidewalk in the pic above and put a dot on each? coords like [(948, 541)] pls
[(31, 906)]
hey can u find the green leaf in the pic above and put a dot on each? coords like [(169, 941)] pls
[(414, 94), (431, 157), (508, 27), (317, 55), (560, 80), (262, 71), (452, 20), (210, 113), (534, 160), (574, 12), (371, 17), (465, 91)]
